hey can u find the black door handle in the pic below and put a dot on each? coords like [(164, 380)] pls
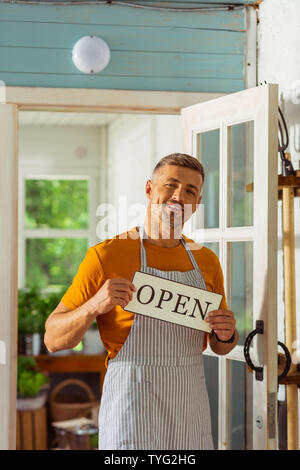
[(259, 370), (259, 375), (287, 363)]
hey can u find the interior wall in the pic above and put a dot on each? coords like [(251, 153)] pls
[(135, 143), (56, 147), (278, 62)]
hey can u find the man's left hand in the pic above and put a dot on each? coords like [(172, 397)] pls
[(222, 323)]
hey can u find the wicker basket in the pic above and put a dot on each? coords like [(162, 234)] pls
[(61, 411)]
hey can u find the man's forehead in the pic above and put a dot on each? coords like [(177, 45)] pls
[(179, 173)]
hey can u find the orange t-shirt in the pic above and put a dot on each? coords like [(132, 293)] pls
[(120, 257)]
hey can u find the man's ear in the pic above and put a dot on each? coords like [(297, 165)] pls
[(148, 188)]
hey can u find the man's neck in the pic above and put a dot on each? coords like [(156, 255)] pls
[(165, 238)]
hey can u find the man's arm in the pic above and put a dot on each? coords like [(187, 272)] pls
[(65, 328)]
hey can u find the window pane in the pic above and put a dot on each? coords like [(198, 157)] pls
[(61, 204), (240, 173), (241, 406), (240, 290), (208, 152), (53, 262), (214, 246)]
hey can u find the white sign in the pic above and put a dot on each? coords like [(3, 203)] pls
[(172, 301)]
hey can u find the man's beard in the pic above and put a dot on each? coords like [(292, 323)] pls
[(170, 221), (174, 220)]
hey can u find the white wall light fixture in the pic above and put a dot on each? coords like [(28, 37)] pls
[(91, 54)]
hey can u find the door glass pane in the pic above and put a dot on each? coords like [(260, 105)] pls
[(214, 246), (61, 204), (240, 288), (211, 370), (53, 262), (208, 152), (241, 406), (240, 173)]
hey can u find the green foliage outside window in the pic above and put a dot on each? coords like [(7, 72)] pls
[(53, 261), (60, 204), (55, 204)]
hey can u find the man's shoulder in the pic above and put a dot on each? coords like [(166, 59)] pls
[(120, 241)]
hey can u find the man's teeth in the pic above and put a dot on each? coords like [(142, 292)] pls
[(175, 207)]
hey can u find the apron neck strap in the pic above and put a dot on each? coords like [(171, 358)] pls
[(144, 255)]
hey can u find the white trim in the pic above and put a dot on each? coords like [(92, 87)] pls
[(55, 233), (68, 173), (97, 100)]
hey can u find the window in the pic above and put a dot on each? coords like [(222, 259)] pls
[(55, 227)]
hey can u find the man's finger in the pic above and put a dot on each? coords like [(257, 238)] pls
[(222, 313), (122, 282)]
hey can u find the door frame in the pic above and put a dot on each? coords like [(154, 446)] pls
[(15, 99)]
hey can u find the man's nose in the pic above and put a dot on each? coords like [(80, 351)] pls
[(178, 194)]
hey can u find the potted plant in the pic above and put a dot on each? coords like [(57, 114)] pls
[(33, 309), (30, 320), (32, 385)]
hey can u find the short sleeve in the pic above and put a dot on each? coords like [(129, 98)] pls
[(88, 280), (219, 287)]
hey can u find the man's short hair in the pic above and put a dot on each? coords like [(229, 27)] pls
[(181, 159)]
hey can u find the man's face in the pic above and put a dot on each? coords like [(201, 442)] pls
[(174, 194)]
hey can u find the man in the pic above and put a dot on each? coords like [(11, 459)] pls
[(154, 394)]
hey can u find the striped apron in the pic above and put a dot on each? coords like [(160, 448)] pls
[(154, 393)]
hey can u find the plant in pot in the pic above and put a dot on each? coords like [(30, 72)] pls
[(33, 309), (30, 320), (32, 385)]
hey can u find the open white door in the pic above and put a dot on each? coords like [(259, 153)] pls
[(236, 139)]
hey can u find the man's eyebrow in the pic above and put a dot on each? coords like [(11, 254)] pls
[(177, 181)]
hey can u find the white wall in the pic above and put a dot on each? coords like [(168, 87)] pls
[(279, 62), (55, 147), (135, 143)]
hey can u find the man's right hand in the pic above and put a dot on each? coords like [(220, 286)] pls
[(113, 292)]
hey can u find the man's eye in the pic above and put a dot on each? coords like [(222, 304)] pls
[(191, 192), (171, 185)]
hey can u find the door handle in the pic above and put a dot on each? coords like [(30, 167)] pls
[(259, 375), (259, 370), (287, 363)]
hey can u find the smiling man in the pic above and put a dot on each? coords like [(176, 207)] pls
[(154, 394)]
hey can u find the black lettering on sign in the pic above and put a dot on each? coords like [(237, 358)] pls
[(162, 299), (197, 302), (180, 303), (138, 294)]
